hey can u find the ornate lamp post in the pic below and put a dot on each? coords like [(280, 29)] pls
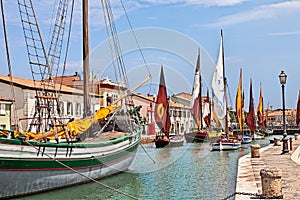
[(282, 79)]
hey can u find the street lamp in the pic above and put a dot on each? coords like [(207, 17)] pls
[(282, 79)]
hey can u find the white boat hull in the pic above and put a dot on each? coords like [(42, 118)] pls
[(27, 169), (224, 145)]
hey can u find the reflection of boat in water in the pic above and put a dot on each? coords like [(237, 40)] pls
[(53, 152)]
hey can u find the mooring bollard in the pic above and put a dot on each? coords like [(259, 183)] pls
[(255, 153), (271, 182), (276, 141), (296, 136)]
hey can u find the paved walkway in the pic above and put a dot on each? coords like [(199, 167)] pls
[(249, 180)]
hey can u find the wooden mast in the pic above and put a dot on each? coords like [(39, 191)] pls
[(225, 91), (86, 71)]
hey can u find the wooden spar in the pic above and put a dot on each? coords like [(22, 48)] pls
[(86, 71), (133, 89)]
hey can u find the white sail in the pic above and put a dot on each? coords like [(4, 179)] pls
[(218, 86)]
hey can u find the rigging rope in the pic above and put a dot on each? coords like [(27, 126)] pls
[(67, 44), (81, 174), (16, 120), (135, 38)]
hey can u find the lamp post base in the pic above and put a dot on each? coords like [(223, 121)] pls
[(285, 148)]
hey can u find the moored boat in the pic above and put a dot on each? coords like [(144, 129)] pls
[(226, 144), (246, 139), (258, 135), (55, 151), (31, 166), (162, 114), (227, 141), (176, 140)]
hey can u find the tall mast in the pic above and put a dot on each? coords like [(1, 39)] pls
[(200, 92), (225, 83), (86, 63)]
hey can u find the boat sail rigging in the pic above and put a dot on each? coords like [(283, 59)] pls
[(220, 104), (52, 153)]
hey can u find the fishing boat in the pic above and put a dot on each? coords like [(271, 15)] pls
[(53, 152), (220, 103), (162, 114)]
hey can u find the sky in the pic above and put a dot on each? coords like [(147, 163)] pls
[(261, 37)]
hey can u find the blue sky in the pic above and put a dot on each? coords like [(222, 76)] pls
[(261, 37)]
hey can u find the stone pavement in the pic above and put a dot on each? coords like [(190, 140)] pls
[(248, 177)]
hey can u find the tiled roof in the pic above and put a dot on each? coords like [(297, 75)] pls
[(5, 99), (22, 82)]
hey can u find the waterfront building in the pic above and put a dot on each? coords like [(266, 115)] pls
[(70, 104), (5, 113), (275, 117)]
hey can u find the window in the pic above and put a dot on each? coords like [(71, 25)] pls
[(2, 109), (61, 108), (78, 109), (69, 108)]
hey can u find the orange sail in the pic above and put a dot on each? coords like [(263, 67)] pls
[(260, 110), (239, 103)]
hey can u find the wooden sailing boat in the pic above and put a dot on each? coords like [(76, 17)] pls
[(250, 121), (52, 154), (220, 103), (260, 115), (197, 134), (162, 114), (240, 111)]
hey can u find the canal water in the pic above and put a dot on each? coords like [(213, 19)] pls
[(192, 171)]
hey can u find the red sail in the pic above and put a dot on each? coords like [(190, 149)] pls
[(207, 116), (250, 118), (162, 114), (196, 110), (298, 110)]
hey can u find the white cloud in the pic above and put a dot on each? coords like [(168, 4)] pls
[(285, 33), (198, 2), (262, 12)]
